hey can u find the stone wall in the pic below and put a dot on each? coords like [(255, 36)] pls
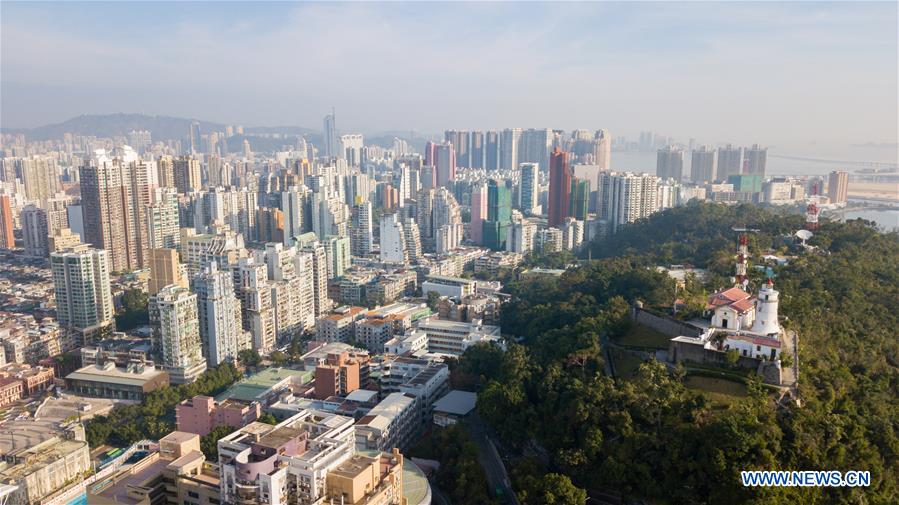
[(664, 324)]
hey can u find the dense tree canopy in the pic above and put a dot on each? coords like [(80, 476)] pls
[(155, 417), (650, 437), (134, 311)]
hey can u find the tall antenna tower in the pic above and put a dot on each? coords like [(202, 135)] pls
[(811, 210), (742, 256)]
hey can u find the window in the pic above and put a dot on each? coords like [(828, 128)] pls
[(758, 348)]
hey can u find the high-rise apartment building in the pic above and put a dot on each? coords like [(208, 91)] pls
[(177, 330), (62, 239), (186, 173), (35, 231), (838, 186), (194, 139), (163, 228), (412, 236), (218, 311), (337, 252), (444, 163), (393, 240), (478, 213), (7, 239), (670, 163), (165, 270), (424, 218), (361, 232), (477, 150), (529, 187), (315, 259), (296, 206), (350, 149), (115, 193), (624, 197), (755, 160), (491, 151), (83, 296), (165, 171), (40, 177), (499, 215), (579, 205), (730, 162), (521, 235), (559, 188), (447, 221), (508, 148), (330, 136), (534, 146), (461, 141), (257, 314), (602, 150), (703, 165)]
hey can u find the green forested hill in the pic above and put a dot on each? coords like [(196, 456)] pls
[(651, 438)]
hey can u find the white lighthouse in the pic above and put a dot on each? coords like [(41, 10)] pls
[(766, 311)]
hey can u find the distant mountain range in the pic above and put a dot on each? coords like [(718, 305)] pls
[(167, 127), (162, 127)]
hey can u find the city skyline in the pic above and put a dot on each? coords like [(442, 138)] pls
[(789, 73)]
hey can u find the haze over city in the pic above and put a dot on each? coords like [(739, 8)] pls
[(776, 73), (434, 253)]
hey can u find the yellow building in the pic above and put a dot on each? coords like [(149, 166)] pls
[(368, 480)]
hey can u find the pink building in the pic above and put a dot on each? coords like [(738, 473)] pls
[(201, 413), (478, 213)]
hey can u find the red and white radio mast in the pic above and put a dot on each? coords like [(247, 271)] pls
[(811, 211)]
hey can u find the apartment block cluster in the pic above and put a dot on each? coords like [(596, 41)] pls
[(738, 174)]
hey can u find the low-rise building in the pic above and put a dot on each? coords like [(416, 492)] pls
[(368, 480), (390, 424), (309, 458), (11, 391), (469, 308), (490, 264), (381, 324), (202, 413), (34, 379), (46, 468), (453, 407), (439, 336), (174, 472), (339, 325), (426, 380), (339, 375), (267, 385), (109, 381), (455, 287)]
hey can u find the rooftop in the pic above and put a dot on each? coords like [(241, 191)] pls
[(727, 297), (118, 491), (456, 402), (38, 456), (344, 312), (354, 466), (361, 395), (255, 386), (279, 436), (451, 280), (115, 375)]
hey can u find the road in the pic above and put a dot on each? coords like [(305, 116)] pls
[(490, 460)]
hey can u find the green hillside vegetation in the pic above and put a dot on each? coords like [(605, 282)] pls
[(650, 437)]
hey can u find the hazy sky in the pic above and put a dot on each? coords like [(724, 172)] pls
[(766, 72)]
